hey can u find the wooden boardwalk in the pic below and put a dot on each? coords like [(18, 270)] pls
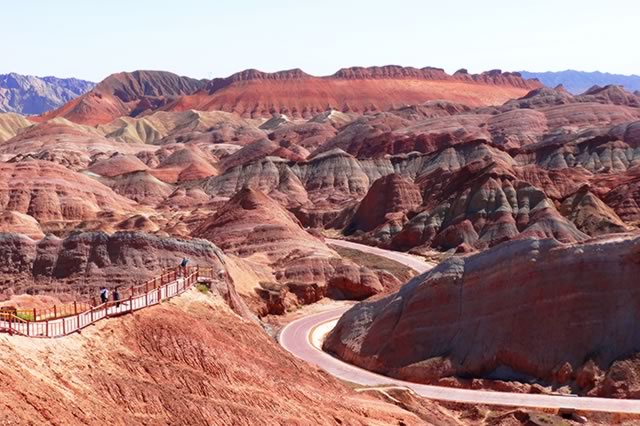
[(63, 320)]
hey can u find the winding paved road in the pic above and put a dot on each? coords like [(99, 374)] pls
[(409, 260), (302, 337)]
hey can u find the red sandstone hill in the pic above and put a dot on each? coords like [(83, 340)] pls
[(54, 195), (125, 94), (302, 268), (530, 309), (362, 90), (191, 361)]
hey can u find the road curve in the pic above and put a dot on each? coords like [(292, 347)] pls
[(296, 338), (411, 261)]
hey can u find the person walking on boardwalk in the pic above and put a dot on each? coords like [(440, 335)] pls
[(183, 266), (104, 295), (116, 297)]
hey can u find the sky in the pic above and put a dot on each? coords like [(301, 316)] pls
[(91, 39)]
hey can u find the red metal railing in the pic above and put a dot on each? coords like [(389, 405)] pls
[(62, 320)]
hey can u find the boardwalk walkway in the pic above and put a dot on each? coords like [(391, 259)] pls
[(66, 319)]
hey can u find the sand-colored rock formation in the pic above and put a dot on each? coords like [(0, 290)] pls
[(11, 124), (181, 127)]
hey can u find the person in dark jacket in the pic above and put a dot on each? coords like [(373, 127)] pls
[(183, 266), (104, 295), (116, 297)]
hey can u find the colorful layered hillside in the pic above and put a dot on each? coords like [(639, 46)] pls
[(526, 310), (125, 94), (362, 90)]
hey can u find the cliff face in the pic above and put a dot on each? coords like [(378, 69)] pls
[(525, 309), (29, 95)]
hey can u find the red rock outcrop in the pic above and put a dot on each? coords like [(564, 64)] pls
[(481, 204), (309, 135), (591, 215), (186, 163), (51, 193), (265, 148), (387, 195), (83, 261), (117, 164), (573, 306), (21, 223), (256, 228), (611, 94), (142, 187)]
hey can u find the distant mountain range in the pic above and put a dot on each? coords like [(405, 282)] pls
[(31, 95), (578, 82)]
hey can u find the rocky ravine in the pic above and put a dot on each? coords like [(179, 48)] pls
[(525, 310)]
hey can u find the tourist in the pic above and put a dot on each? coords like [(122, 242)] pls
[(116, 297), (104, 295), (183, 266)]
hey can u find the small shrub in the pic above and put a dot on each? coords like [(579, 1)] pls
[(202, 288)]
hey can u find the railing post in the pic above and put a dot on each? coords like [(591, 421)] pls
[(34, 315), (64, 327), (75, 308), (55, 311), (46, 328)]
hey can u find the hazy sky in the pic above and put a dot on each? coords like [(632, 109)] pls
[(91, 39)]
